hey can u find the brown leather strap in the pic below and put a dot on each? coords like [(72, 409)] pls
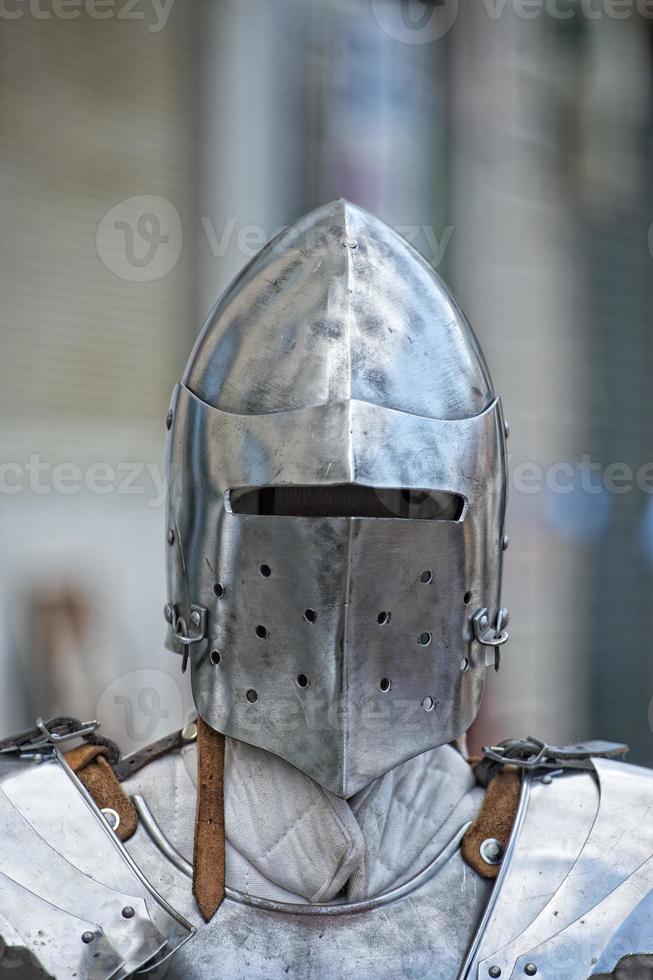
[(208, 855), (134, 763), (495, 820), (92, 767)]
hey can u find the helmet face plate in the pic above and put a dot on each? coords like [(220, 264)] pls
[(338, 633)]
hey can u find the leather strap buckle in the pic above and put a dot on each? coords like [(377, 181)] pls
[(532, 753), (47, 735)]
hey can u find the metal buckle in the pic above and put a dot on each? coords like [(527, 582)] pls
[(198, 617), (488, 635), (47, 735), (491, 636), (532, 753)]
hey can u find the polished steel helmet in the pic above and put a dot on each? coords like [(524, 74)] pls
[(336, 495)]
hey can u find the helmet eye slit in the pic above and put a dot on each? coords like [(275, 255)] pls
[(345, 500)]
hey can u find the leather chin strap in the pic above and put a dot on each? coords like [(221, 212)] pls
[(208, 853)]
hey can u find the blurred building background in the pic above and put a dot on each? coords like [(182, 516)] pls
[(147, 155)]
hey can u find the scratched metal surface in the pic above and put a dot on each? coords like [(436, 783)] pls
[(425, 934), (575, 898), (66, 881)]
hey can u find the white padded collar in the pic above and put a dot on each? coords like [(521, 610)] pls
[(290, 840), (294, 833), (286, 830)]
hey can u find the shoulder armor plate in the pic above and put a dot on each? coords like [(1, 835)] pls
[(575, 893), (72, 902)]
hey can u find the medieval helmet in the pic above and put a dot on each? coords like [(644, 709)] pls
[(336, 496)]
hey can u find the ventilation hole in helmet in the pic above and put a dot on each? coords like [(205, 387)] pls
[(265, 571), (426, 576), (310, 616), (428, 703), (215, 657), (424, 639), (467, 598), (301, 680), (252, 696), (261, 632), (385, 684), (218, 590), (383, 618), (464, 664)]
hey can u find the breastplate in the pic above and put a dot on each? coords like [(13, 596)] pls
[(422, 929), (573, 900)]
